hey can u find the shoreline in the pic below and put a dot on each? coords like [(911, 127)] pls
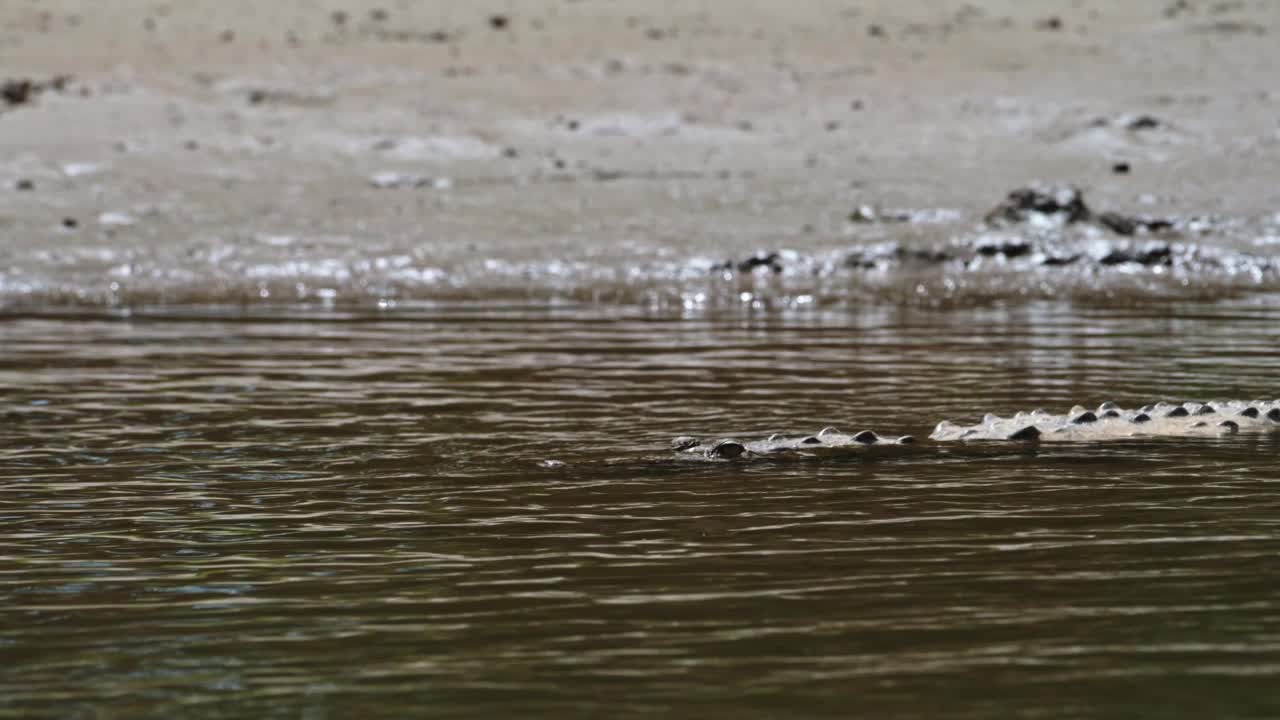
[(207, 154)]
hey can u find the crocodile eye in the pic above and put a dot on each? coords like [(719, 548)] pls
[(727, 449), (684, 442)]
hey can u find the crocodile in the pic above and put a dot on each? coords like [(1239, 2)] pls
[(1108, 421), (827, 439), (1111, 422)]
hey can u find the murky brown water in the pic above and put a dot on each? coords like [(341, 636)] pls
[(314, 515)]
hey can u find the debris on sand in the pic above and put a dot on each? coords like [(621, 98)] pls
[(1033, 228), (1057, 206), (1064, 205), (17, 92), (24, 91), (868, 214), (392, 180)]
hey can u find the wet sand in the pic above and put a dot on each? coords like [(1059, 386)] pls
[(614, 152)]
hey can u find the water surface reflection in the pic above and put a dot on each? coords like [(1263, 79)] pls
[(328, 515)]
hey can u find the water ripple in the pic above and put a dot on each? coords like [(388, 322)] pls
[(295, 514)]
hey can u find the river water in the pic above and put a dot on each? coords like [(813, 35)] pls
[(319, 513)]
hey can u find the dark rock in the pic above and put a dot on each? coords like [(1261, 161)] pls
[(1128, 225), (1141, 418), (1206, 410), (1056, 260), (1121, 168), (1064, 202), (18, 92), (876, 31), (866, 437), (1084, 418), (870, 258), (1251, 412), (24, 184), (70, 223), (770, 260), (1229, 425), (1111, 414), (1150, 254), (1144, 122), (1051, 24), (499, 22), (1274, 415), (1006, 247), (1177, 412)]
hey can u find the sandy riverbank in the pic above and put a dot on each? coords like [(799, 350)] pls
[(226, 151)]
